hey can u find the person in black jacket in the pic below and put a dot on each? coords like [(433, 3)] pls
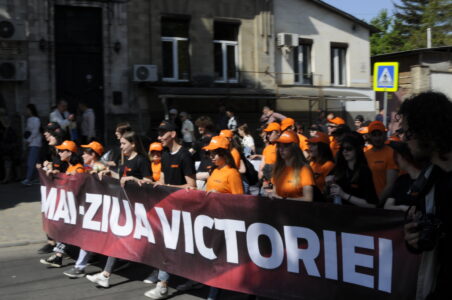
[(352, 178), (426, 127)]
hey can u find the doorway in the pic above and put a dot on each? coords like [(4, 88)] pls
[(79, 59)]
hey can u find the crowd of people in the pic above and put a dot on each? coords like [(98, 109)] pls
[(361, 166)]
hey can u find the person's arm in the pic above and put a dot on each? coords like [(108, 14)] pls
[(391, 176), (337, 190), (242, 169), (260, 172), (390, 204), (308, 194), (236, 184)]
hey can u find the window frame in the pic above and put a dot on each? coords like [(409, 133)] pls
[(341, 71), (224, 44), (174, 41), (301, 76)]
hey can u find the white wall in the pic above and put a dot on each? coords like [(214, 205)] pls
[(314, 22), (441, 82)]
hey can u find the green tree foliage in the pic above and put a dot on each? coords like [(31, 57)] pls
[(407, 29)]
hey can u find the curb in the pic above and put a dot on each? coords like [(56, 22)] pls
[(21, 243)]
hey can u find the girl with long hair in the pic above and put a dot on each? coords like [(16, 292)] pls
[(292, 177), (136, 167), (320, 158), (352, 179)]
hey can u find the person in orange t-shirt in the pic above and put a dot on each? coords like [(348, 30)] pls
[(292, 177), (272, 132), (155, 156), (289, 124), (333, 125), (321, 158), (68, 153), (380, 159), (225, 178), (92, 153)]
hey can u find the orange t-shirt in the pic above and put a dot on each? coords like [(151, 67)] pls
[(78, 168), (379, 162), (334, 146), (225, 180), (320, 172), (269, 154), (286, 186), (156, 170), (236, 156), (303, 142)]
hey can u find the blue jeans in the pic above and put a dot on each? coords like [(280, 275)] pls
[(163, 276), (32, 160)]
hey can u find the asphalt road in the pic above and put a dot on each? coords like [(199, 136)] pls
[(23, 277)]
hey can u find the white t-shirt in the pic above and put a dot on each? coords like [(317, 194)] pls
[(188, 131), (35, 138), (248, 141)]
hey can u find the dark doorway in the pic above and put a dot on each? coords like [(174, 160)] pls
[(78, 54)]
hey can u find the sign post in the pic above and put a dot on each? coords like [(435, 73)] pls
[(386, 79)]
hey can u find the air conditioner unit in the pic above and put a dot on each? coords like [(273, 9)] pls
[(13, 70), (12, 30), (145, 73), (287, 39)]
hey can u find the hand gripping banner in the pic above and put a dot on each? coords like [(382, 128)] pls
[(282, 249)]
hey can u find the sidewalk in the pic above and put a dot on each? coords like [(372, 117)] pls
[(20, 215)]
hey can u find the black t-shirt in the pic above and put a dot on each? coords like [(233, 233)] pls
[(138, 167), (363, 188), (58, 164), (176, 166), (400, 191)]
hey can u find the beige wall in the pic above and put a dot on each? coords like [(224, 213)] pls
[(314, 22)]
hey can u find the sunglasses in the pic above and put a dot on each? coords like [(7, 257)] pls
[(62, 151), (348, 149), (331, 126)]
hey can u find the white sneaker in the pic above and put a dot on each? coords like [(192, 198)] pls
[(99, 279), (189, 285), (153, 278), (159, 292)]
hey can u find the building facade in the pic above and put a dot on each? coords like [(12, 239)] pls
[(135, 59)]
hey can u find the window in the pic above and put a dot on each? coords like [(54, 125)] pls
[(302, 63), (338, 65), (175, 57), (225, 47)]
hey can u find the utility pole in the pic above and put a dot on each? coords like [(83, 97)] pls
[(429, 37)]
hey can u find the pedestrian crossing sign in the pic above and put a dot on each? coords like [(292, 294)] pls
[(386, 76)]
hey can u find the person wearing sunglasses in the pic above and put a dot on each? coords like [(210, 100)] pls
[(380, 159), (292, 177), (351, 178)]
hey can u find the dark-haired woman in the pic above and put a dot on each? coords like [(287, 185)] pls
[(292, 177), (321, 158), (352, 179), (225, 178), (134, 167), (34, 140), (115, 156), (91, 156), (400, 198), (68, 153)]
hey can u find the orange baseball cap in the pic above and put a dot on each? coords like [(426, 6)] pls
[(156, 146), (319, 137), (287, 122), (288, 137), (217, 142), (67, 145), (337, 121), (376, 125), (226, 133), (363, 130), (96, 146), (272, 127)]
